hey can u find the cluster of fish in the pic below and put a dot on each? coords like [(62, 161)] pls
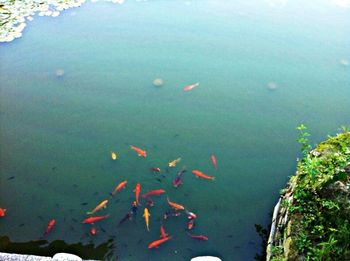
[(175, 207)]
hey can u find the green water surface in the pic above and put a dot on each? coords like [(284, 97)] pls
[(57, 132)]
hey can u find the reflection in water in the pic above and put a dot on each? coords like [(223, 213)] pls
[(42, 248)]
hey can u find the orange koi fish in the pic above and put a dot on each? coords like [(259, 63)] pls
[(155, 192), (213, 160), (190, 87), (173, 163), (92, 220), (175, 205), (49, 227), (162, 232), (93, 231), (113, 155), (2, 212), (139, 151), (137, 193), (103, 204), (158, 242), (199, 237), (190, 224), (120, 186), (202, 175)]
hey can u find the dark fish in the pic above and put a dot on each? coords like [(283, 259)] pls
[(150, 202), (75, 185), (230, 236), (41, 218), (159, 180), (126, 217), (103, 230), (84, 203), (53, 168), (21, 225), (12, 177), (139, 242), (178, 180), (155, 169)]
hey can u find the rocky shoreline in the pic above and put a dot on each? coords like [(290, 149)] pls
[(290, 238)]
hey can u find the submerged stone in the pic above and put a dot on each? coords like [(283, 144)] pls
[(272, 86), (344, 62), (59, 72), (158, 82)]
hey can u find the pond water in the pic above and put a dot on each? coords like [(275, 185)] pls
[(264, 67)]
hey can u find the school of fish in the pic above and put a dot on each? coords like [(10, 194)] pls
[(174, 207)]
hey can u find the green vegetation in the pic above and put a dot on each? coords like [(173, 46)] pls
[(319, 212)]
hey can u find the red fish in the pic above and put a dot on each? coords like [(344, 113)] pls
[(120, 186), (202, 175), (92, 220), (190, 87), (158, 242), (155, 192), (93, 231), (162, 232), (2, 212), (155, 169), (213, 160), (49, 227), (199, 237), (137, 193), (139, 151)]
